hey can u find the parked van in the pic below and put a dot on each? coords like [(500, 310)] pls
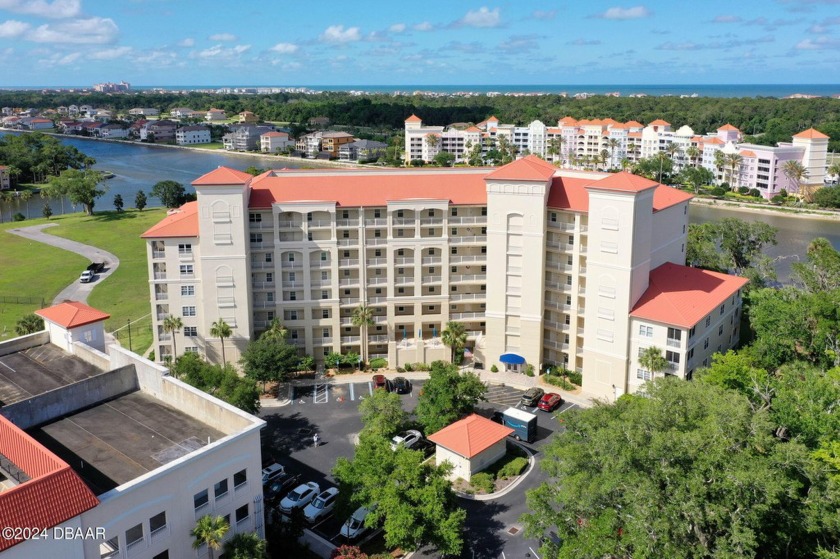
[(524, 424)]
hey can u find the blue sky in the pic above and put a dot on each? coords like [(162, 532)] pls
[(431, 42)]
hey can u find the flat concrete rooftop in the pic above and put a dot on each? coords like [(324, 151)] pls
[(31, 372), (119, 440)]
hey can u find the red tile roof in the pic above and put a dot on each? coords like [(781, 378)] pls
[(274, 135), (727, 127), (665, 197), (414, 118), (659, 122), (747, 153), (683, 296), (634, 124), (53, 494), (566, 121), (72, 314), (470, 436), (811, 134), (529, 168), (625, 182), (222, 176), (569, 193), (182, 222), (714, 141)]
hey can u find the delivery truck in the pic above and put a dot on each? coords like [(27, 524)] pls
[(524, 424)]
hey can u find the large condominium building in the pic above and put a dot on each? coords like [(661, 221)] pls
[(541, 266), (105, 456), (608, 144)]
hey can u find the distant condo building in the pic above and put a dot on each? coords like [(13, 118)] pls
[(608, 144), (542, 266)]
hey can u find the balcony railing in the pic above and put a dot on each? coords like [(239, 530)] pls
[(377, 300), (378, 339), (404, 261), (455, 259), (673, 343), (289, 224), (376, 221), (347, 223), (404, 221), (294, 264), (467, 219), (431, 260), (322, 341), (375, 261), (403, 280), (468, 240), (263, 284), (347, 262), (348, 281), (320, 264), (348, 242), (318, 223), (377, 280), (431, 279), (465, 315), (161, 296), (431, 221), (158, 254), (350, 339), (349, 301)]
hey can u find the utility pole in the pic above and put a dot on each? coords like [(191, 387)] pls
[(129, 335)]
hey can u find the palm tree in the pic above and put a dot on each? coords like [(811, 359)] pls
[(693, 153), (244, 545), (673, 150), (173, 325), (455, 336), (29, 324), (795, 172), (604, 157), (733, 162), (25, 195), (363, 318), (554, 145), (613, 143), (432, 141), (834, 169), (720, 161), (209, 531), (221, 329), (276, 330), (652, 360)]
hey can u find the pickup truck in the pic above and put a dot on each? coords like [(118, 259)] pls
[(86, 277), (96, 267)]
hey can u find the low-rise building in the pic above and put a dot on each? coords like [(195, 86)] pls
[(215, 115), (5, 178), (158, 131), (113, 131), (144, 111), (192, 135), (106, 443), (362, 150), (319, 142), (247, 117), (244, 137), (274, 142), (470, 445)]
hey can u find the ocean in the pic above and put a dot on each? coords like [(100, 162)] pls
[(699, 90)]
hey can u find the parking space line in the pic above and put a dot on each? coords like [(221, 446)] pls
[(352, 393), (1, 363), (370, 387)]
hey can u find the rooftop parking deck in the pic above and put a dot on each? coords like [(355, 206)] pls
[(39, 369), (121, 439)]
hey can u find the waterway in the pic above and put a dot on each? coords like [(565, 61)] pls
[(137, 167)]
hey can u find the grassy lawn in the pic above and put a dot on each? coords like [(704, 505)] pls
[(36, 270), (125, 294), (211, 145)]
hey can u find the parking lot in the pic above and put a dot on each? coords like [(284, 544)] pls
[(331, 410)]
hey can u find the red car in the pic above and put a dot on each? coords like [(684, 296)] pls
[(550, 402), (379, 381)]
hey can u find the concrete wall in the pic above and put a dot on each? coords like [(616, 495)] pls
[(24, 342), (460, 465), (68, 399), (488, 457), (91, 355)]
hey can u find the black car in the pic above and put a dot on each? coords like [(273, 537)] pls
[(401, 385), (531, 397), (279, 486)]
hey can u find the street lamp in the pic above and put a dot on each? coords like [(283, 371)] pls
[(360, 363)]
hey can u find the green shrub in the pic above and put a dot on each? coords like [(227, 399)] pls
[(575, 377), (778, 199), (559, 381), (718, 191), (378, 363), (513, 468), (783, 193), (529, 370), (408, 367), (420, 367), (755, 193), (18, 217), (494, 369), (482, 481), (400, 370), (743, 190)]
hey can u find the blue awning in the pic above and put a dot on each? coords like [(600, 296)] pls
[(512, 359)]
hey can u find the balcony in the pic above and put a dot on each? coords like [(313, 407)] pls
[(404, 261), (376, 241), (255, 265), (378, 339), (263, 284), (404, 222), (377, 301), (320, 264), (431, 260), (261, 245), (553, 344), (376, 261), (427, 280), (289, 224), (376, 221), (322, 341), (347, 262), (673, 343), (185, 256), (467, 278), (292, 284), (403, 280), (465, 315), (160, 275), (377, 280), (345, 282), (261, 225), (295, 264), (468, 240), (319, 223), (348, 242), (161, 296), (158, 254), (344, 301), (350, 339), (472, 334), (431, 221), (467, 220), (455, 259)]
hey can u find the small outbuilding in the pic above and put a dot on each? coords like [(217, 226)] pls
[(72, 321), (470, 445)]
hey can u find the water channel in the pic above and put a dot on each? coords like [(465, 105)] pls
[(138, 166)]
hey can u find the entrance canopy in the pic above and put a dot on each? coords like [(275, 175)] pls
[(512, 359)]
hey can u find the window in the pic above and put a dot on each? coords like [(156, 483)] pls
[(110, 548), (346, 292), (645, 331), (191, 349), (571, 240), (720, 330), (400, 233), (708, 321), (552, 217), (186, 269), (345, 214), (484, 210), (643, 374), (431, 213), (325, 275), (256, 237), (187, 311), (568, 280), (242, 513), (325, 294), (483, 230), (722, 308), (399, 213), (691, 332), (454, 250), (400, 290), (200, 499), (325, 313), (133, 536), (484, 250), (293, 296), (326, 351), (400, 252), (346, 254), (158, 522), (239, 479), (269, 257), (187, 290), (377, 253), (291, 257), (269, 296), (454, 232), (690, 355), (378, 291), (431, 252), (377, 233), (672, 357), (454, 212), (309, 236), (184, 249), (674, 334), (706, 343), (324, 256), (377, 213), (346, 273), (325, 333), (190, 331)]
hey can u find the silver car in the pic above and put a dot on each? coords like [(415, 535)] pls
[(299, 497), (355, 525), (321, 506)]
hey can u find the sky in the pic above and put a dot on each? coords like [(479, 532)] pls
[(432, 42)]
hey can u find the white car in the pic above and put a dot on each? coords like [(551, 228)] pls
[(300, 496), (86, 277), (272, 472), (322, 505), (355, 525), (407, 439)]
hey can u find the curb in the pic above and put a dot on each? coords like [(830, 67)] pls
[(531, 464)]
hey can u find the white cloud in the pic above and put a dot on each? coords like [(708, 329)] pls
[(10, 29), (57, 9), (110, 54), (635, 12), (482, 17), (95, 30), (520, 43), (544, 14), (222, 37), (337, 34), (820, 43), (220, 52), (584, 42), (284, 48), (188, 42), (397, 28), (726, 19), (424, 26)]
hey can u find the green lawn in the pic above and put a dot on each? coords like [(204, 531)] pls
[(37, 270), (211, 145)]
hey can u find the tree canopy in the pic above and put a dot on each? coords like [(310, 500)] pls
[(170, 193), (33, 157), (220, 381), (447, 396), (732, 245), (269, 359), (81, 187), (382, 413)]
